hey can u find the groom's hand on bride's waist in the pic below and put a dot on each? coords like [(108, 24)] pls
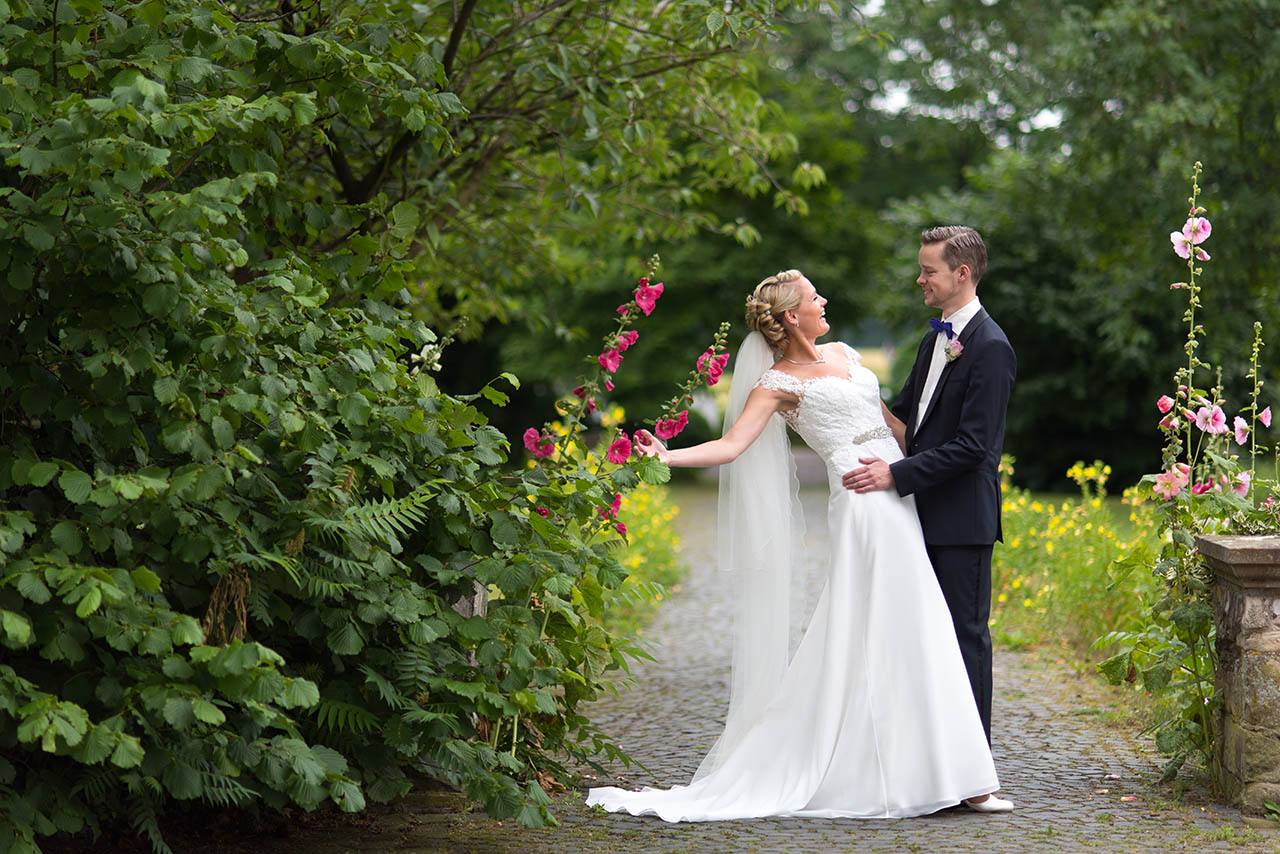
[(874, 474)]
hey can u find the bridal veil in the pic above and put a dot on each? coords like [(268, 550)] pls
[(760, 537)]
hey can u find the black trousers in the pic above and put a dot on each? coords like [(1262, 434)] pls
[(964, 573)]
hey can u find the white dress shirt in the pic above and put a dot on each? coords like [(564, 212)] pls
[(958, 319)]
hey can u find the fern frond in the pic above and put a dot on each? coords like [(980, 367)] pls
[(337, 716), (223, 791), (392, 517), (141, 810)]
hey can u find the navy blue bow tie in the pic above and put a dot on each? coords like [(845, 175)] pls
[(942, 326)]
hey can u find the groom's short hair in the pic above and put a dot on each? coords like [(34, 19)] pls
[(961, 245)]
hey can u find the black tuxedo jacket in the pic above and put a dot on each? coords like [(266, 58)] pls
[(953, 457)]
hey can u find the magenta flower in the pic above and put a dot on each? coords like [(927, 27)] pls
[(1201, 488), (647, 295), (670, 428), (538, 445), (1265, 417), (1165, 403), (608, 385), (611, 512), (1211, 420), (626, 339), (712, 365), (1241, 430), (1166, 485), (542, 511), (622, 529), (581, 394), (1241, 486), (1170, 422), (610, 360), (620, 450), (624, 308)]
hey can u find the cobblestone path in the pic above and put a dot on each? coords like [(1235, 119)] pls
[(1081, 781)]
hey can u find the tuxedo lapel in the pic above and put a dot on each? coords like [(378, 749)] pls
[(919, 372), (969, 328)]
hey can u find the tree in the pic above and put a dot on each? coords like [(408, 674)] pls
[(1099, 109), (821, 77)]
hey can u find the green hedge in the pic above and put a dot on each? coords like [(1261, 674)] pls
[(234, 520)]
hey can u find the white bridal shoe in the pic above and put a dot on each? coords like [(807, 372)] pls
[(991, 804)]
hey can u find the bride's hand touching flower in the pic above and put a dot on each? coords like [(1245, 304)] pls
[(651, 447)]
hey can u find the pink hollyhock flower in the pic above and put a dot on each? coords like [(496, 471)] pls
[(620, 450), (1243, 479), (622, 529), (1197, 229), (1201, 488), (581, 394), (1184, 473), (1182, 245), (538, 445), (712, 365), (626, 339), (1165, 403), (670, 428), (611, 512), (1170, 422), (647, 295), (624, 308), (1265, 417), (1270, 500), (1211, 420), (1166, 485), (608, 385), (1241, 430), (542, 511), (610, 360)]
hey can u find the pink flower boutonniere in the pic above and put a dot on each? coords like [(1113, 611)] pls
[(954, 349)]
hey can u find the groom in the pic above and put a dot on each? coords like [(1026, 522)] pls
[(953, 406)]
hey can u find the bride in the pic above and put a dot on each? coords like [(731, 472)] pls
[(873, 716)]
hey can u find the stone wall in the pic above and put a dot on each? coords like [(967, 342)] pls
[(1247, 617)]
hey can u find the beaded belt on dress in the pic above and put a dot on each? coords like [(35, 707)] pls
[(877, 433)]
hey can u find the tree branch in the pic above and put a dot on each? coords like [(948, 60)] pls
[(455, 36)]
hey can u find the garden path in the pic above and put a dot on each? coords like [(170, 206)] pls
[(1082, 779)]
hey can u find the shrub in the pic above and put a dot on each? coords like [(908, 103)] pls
[(234, 522)]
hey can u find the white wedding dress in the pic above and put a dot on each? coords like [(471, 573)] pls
[(874, 716)]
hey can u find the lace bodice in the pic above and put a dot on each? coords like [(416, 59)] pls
[(838, 415)]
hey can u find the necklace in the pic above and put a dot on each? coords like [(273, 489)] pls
[(818, 361)]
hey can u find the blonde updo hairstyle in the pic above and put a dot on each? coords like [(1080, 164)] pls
[(767, 303)]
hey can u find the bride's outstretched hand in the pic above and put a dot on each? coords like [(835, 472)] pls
[(651, 447)]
